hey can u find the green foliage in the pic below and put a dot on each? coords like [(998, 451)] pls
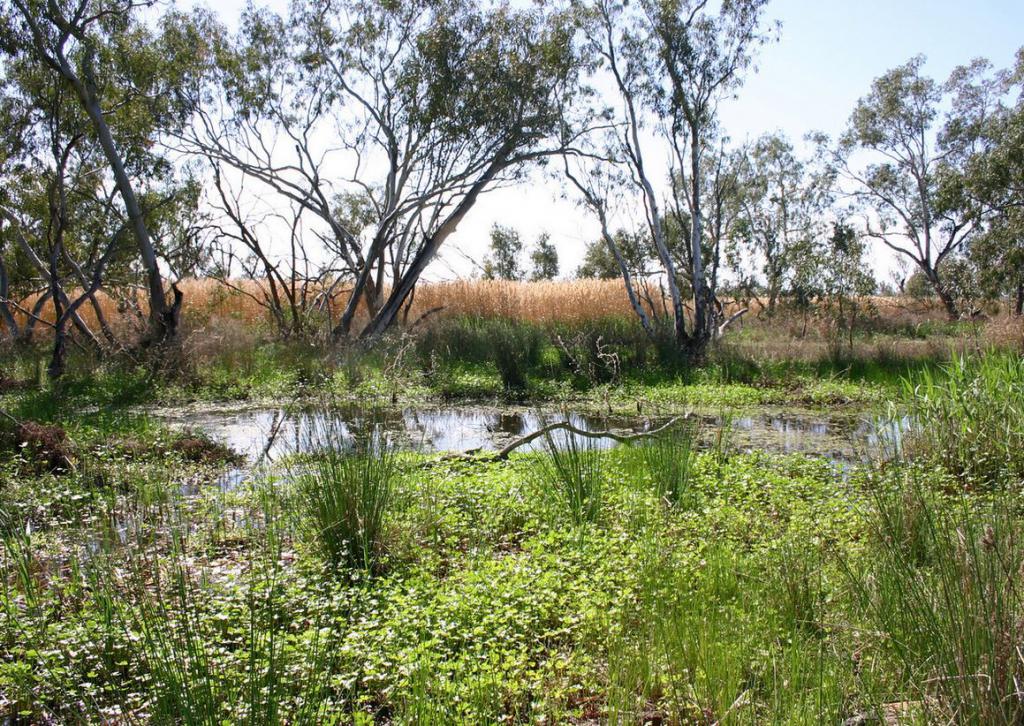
[(669, 460), (781, 199), (543, 259), (904, 189), (506, 248), (516, 349), (556, 585), (968, 417), (599, 262), (347, 494), (513, 348), (572, 475), (985, 135), (942, 586)]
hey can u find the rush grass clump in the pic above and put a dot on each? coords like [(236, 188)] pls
[(571, 473), (941, 587), (669, 458), (346, 492)]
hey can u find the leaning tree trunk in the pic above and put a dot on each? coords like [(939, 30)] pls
[(27, 331), (947, 299), (388, 312), (6, 316), (60, 343), (163, 318)]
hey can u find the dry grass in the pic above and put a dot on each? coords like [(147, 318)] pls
[(538, 301), (212, 309)]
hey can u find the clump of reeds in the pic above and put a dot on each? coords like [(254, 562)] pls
[(571, 473), (942, 588), (345, 493), (669, 459)]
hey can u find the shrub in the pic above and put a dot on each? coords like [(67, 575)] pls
[(513, 347)]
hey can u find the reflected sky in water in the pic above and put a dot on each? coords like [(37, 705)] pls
[(268, 434)]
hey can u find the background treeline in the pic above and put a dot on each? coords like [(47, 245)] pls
[(314, 163)]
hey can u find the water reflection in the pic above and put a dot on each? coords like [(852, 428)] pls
[(269, 434)]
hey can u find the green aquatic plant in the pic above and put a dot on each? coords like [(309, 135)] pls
[(942, 586), (969, 418), (669, 458), (345, 492), (571, 473)]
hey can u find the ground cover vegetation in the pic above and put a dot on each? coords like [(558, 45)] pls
[(659, 581), (194, 211)]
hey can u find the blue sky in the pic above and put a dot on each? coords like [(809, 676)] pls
[(827, 55), (831, 50)]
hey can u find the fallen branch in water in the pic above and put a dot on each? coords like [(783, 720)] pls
[(504, 453)]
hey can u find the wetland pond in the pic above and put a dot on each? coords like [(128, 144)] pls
[(265, 435)]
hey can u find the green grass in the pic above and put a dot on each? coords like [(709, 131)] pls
[(669, 459), (491, 608), (943, 591), (345, 492), (600, 362), (657, 581), (571, 475), (969, 418)]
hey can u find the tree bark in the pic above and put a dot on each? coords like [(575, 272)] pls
[(6, 316), (30, 325), (695, 345), (948, 301), (57, 358), (388, 312), (163, 319)]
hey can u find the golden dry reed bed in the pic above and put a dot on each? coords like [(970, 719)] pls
[(571, 301)]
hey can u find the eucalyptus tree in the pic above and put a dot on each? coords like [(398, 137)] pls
[(670, 63), (721, 213), (51, 215), (124, 74), (63, 236), (986, 135), (503, 261), (385, 122), (783, 203), (894, 165), (543, 259), (841, 279)]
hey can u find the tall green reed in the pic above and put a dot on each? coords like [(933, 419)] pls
[(969, 418), (943, 585), (571, 472), (218, 650), (669, 459), (691, 653), (346, 492)]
